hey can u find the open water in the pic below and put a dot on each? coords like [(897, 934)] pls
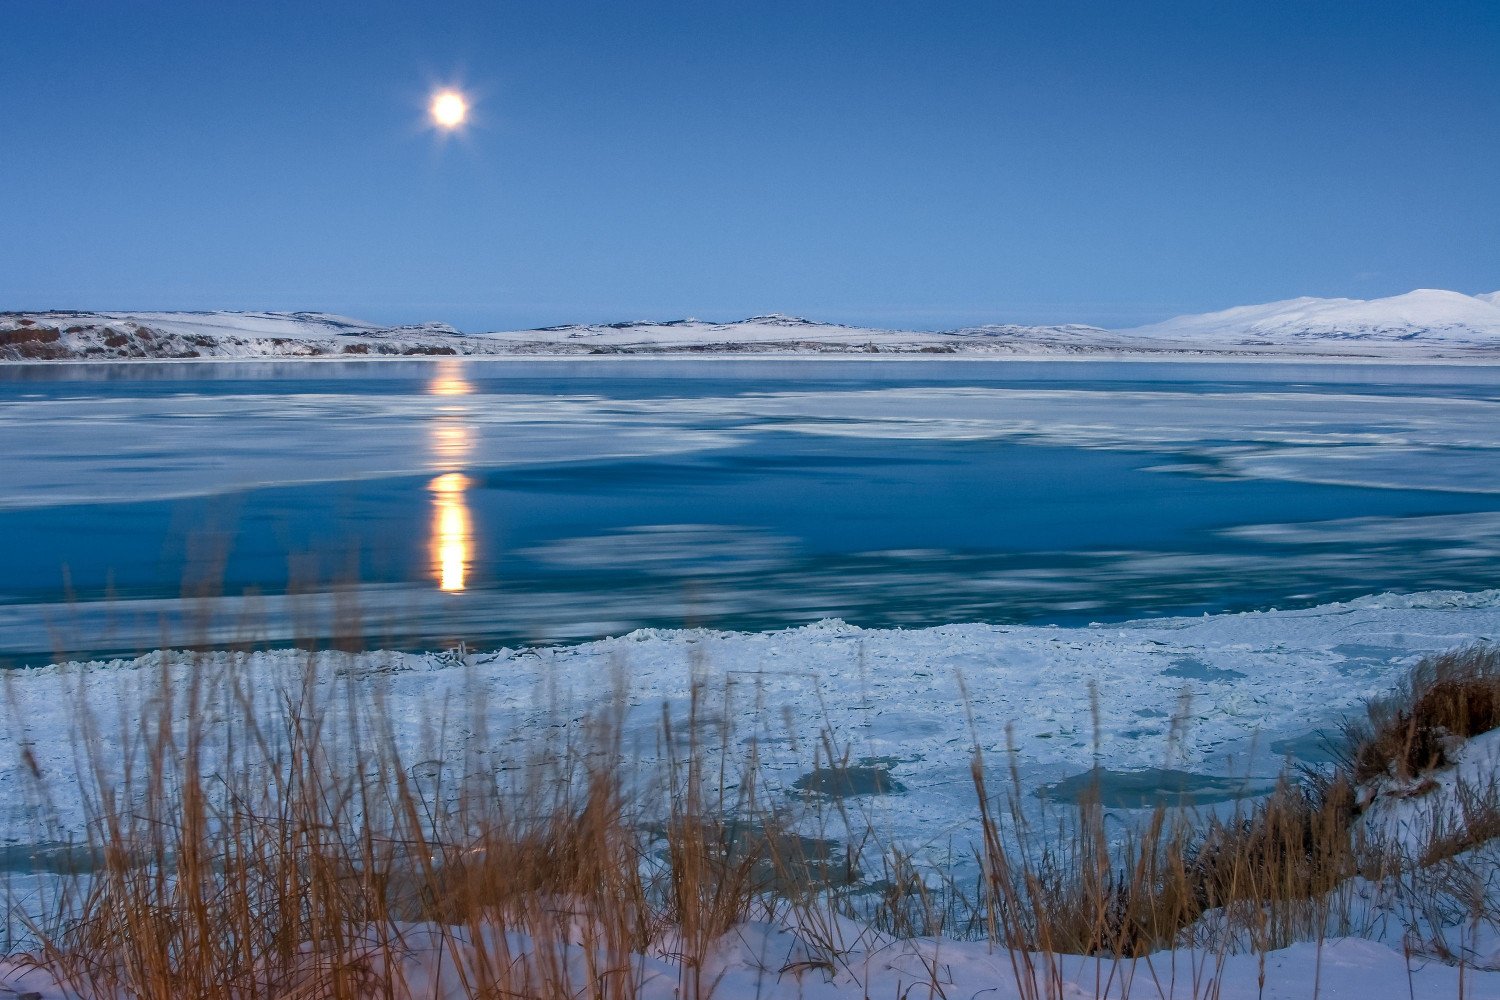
[(495, 502)]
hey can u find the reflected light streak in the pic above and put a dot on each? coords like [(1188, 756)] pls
[(451, 443), (451, 440), (449, 381), (452, 532)]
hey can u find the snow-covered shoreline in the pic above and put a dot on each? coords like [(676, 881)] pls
[(1426, 324), (729, 359), (1235, 695), (1228, 695)]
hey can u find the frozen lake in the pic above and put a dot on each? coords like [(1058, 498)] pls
[(505, 501)]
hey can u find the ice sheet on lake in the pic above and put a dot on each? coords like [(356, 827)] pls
[(119, 449), (676, 550), (103, 449)]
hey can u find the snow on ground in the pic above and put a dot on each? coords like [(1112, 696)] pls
[(1245, 690), (791, 334), (1426, 323), (1224, 695), (1408, 812), (761, 961)]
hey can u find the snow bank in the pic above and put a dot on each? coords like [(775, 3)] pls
[(1243, 688), (1225, 695), (762, 961)]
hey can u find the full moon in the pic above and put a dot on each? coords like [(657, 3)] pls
[(449, 109)]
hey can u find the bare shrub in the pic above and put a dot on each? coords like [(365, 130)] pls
[(1451, 695)]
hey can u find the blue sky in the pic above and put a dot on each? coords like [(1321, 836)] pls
[(902, 164)]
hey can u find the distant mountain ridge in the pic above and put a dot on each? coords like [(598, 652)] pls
[(769, 319), (1426, 323), (1427, 313)]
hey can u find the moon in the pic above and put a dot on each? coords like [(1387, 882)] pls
[(449, 109)]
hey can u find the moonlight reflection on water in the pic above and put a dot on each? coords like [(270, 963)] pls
[(452, 444), (732, 494)]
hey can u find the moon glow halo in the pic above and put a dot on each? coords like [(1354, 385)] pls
[(449, 109)]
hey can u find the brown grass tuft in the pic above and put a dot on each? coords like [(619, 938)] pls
[(255, 837), (1451, 695)]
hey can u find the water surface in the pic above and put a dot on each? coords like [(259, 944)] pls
[(502, 501)]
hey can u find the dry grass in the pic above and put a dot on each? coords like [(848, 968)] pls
[(1451, 695), (261, 839), (260, 836), (1477, 823), (1275, 866), (1265, 876), (1078, 888)]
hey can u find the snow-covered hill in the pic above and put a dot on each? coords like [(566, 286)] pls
[(1427, 316), (50, 336), (779, 334), (1426, 323), (108, 336)]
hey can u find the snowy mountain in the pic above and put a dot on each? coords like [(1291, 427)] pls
[(1426, 323), (1426, 316)]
